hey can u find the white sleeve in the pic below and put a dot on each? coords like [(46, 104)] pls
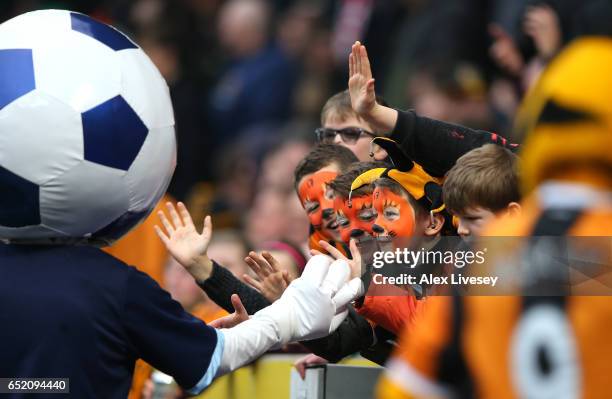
[(248, 340)]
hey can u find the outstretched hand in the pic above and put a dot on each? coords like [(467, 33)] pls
[(271, 280), (240, 314), (361, 83), (354, 264), (184, 242)]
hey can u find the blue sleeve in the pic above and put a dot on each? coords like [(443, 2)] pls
[(163, 334)]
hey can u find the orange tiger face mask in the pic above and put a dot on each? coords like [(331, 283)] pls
[(318, 201), (395, 214), (357, 219)]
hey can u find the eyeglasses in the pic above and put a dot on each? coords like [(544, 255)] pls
[(349, 135)]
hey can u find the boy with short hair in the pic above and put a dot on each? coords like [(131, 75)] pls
[(482, 186), (311, 179), (341, 125)]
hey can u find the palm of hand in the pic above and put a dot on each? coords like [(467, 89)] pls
[(186, 244), (362, 100), (361, 84)]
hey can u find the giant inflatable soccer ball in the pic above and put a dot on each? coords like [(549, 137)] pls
[(87, 142)]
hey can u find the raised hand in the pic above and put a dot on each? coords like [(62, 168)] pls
[(271, 280), (240, 314), (361, 83), (184, 242), (504, 50), (542, 24)]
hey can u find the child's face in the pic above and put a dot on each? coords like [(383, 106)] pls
[(361, 147), (318, 201), (395, 214), (355, 220), (473, 220)]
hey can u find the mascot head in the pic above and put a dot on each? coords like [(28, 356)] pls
[(567, 117), (87, 142)]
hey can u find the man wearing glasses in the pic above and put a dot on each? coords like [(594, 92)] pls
[(341, 125)]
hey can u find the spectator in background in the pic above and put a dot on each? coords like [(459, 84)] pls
[(257, 85), (229, 248), (193, 144)]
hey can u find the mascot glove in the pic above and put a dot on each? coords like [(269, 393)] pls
[(314, 305)]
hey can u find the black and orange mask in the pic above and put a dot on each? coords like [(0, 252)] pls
[(395, 215), (357, 219), (318, 200)]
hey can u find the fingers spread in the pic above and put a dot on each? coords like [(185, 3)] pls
[(254, 266), (263, 264), (333, 251), (272, 262), (161, 235), (174, 215), (252, 282), (185, 216), (165, 222)]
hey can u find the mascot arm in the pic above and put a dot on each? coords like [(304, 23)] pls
[(311, 307)]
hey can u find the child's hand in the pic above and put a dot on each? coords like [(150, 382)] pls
[(355, 263), (183, 241), (272, 280), (361, 83), (306, 361), (240, 314)]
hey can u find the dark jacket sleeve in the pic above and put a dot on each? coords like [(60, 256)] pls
[(354, 335), (222, 284), (437, 145)]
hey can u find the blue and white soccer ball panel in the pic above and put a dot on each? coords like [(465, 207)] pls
[(87, 144), (26, 30), (16, 75), (145, 89), (76, 69), (42, 147), (76, 209), (146, 189), (113, 134)]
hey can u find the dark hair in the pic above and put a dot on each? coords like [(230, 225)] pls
[(342, 184), (485, 177), (321, 156)]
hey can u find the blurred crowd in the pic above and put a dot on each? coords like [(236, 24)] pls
[(248, 79)]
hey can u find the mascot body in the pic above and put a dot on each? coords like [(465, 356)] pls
[(87, 148)]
